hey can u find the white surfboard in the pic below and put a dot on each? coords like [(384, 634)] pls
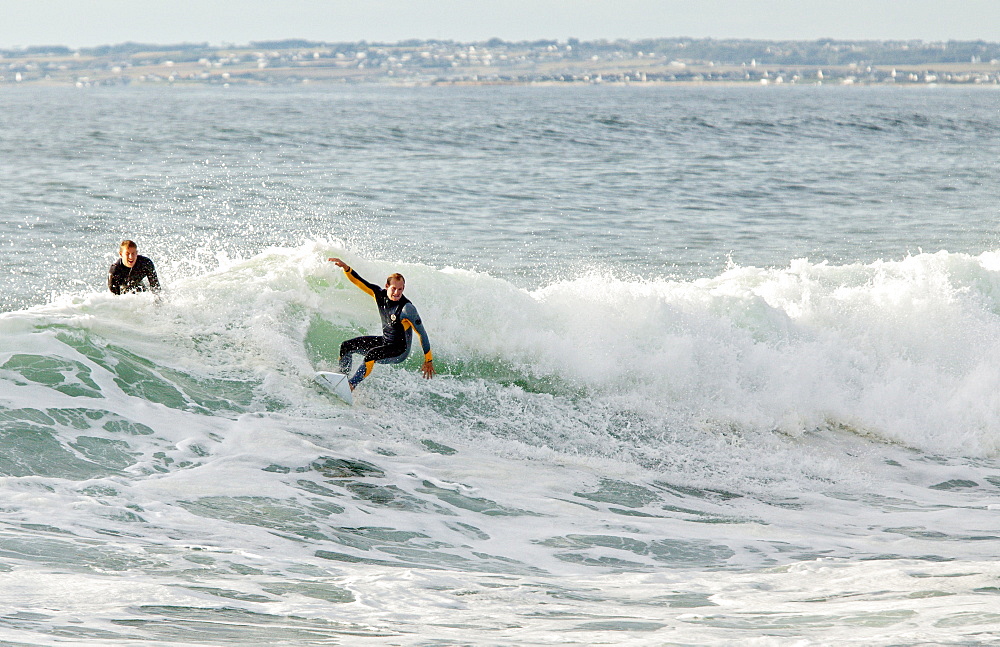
[(336, 383)]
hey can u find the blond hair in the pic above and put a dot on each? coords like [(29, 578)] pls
[(395, 276)]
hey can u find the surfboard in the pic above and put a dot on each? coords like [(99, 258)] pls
[(336, 383)]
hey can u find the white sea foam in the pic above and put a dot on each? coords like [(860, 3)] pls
[(753, 422), (901, 350)]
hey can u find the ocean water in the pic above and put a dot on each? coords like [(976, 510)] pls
[(717, 366)]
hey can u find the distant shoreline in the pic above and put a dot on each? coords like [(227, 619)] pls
[(654, 63), (180, 86)]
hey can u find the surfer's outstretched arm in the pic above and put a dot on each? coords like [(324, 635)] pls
[(354, 277)]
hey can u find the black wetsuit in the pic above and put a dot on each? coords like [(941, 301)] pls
[(123, 279), (399, 320)]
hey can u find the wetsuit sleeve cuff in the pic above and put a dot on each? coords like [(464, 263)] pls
[(428, 357)]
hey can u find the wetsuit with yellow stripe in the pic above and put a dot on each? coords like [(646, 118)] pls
[(399, 320)]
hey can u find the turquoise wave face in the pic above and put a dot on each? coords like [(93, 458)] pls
[(35, 445)]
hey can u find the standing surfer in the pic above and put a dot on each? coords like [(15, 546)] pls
[(399, 320), (128, 272)]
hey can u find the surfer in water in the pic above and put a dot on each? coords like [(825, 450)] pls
[(399, 320), (128, 272)]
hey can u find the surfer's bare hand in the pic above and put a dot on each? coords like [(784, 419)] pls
[(341, 264), (428, 369)]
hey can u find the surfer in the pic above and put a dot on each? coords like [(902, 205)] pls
[(399, 320), (128, 272)]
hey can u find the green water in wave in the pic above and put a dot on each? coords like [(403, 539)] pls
[(323, 339), (139, 377), (36, 443)]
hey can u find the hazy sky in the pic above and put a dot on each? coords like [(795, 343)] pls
[(82, 23)]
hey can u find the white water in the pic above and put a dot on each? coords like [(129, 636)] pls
[(795, 456)]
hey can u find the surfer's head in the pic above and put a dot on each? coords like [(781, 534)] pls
[(394, 286), (128, 251)]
